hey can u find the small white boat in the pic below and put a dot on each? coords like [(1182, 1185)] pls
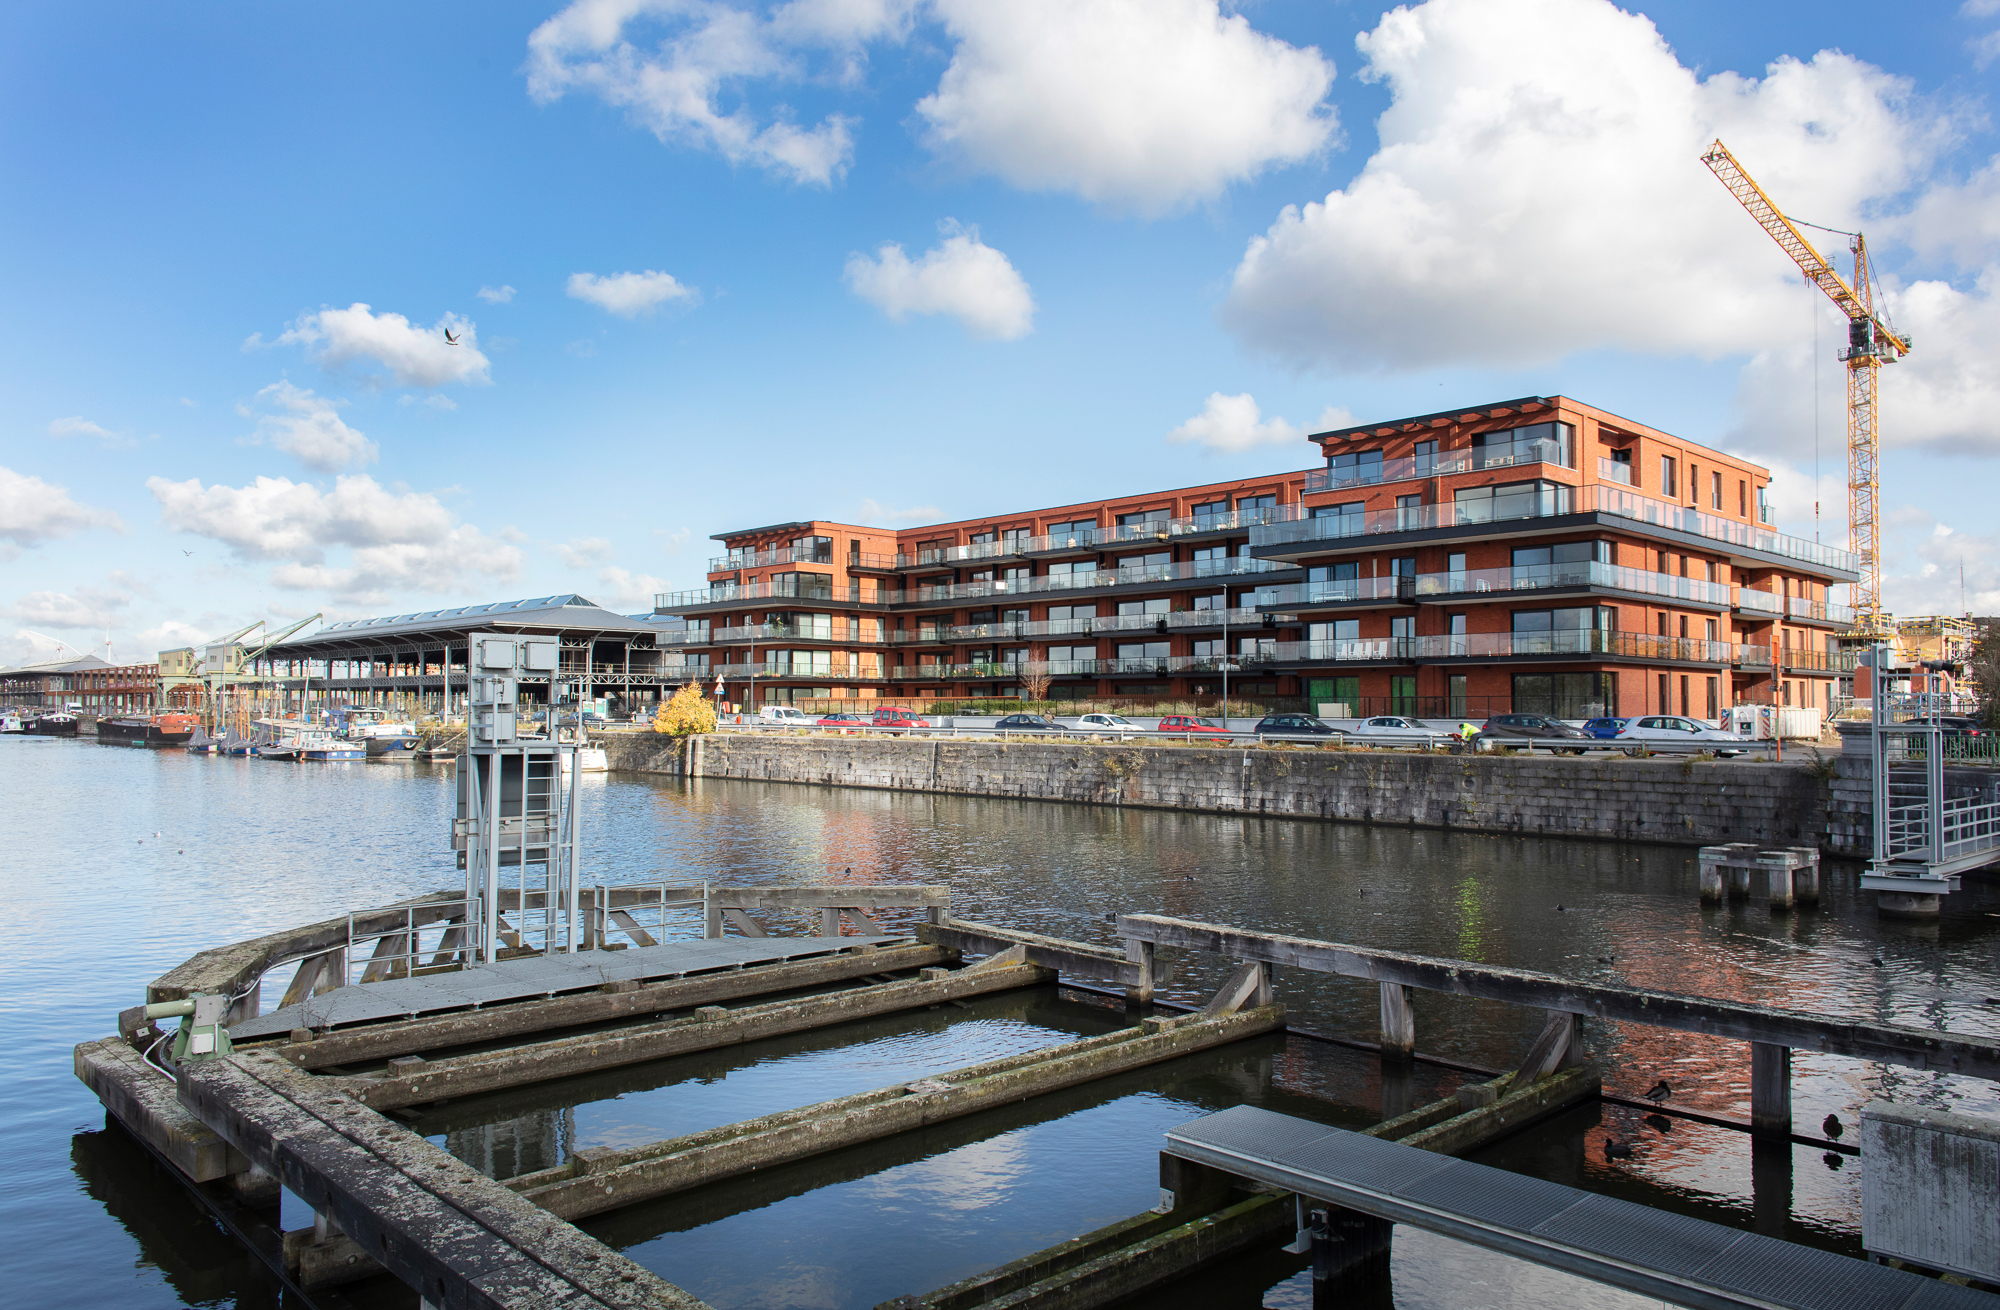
[(589, 759), (324, 746)]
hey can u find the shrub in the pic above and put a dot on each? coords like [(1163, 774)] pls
[(687, 713)]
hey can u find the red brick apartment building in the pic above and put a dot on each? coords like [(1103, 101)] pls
[(1535, 555)]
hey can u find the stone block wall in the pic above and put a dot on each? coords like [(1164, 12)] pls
[(1677, 801)]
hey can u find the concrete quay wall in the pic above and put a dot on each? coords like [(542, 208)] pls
[(1676, 801)]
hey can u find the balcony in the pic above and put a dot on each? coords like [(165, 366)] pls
[(741, 593), (1819, 611), (1759, 602), (763, 558), (1090, 538), (1297, 530), (1542, 577), (1504, 455), (1096, 579), (1582, 643), (1614, 470)]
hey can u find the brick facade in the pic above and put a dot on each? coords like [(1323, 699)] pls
[(1530, 554)]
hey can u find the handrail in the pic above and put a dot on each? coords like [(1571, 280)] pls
[(1297, 528)]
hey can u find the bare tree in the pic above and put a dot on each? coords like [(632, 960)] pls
[(1035, 683)]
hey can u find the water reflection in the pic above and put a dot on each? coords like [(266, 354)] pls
[(100, 906)]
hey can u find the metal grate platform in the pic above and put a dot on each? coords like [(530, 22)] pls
[(533, 977), (1674, 1257)]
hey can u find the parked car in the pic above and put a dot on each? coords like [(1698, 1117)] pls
[(1028, 723), (1297, 725), (784, 716), (1117, 723), (894, 718), (1603, 729), (1673, 730), (1190, 726), (1962, 724), (1512, 727), (1393, 730), (842, 721)]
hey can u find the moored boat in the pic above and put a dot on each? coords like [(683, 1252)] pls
[(54, 723), (324, 746), (150, 731)]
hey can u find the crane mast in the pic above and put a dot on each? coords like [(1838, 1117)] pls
[(1870, 343)]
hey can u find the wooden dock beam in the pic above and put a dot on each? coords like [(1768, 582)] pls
[(600, 1180), (455, 1236), (415, 1081)]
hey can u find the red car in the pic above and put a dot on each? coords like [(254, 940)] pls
[(896, 719), (841, 722), (1188, 725)]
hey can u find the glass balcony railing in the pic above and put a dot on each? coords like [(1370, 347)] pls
[(1539, 577), (1758, 602), (1614, 470), (1818, 610), (1502, 645), (1298, 530), (1090, 538)]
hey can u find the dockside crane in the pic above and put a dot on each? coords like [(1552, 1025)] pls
[(1871, 342)]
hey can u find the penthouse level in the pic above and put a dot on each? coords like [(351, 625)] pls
[(1531, 554)]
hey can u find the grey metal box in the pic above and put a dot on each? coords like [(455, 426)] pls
[(1930, 1188)]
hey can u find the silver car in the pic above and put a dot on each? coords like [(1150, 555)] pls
[(1654, 730), (1393, 730)]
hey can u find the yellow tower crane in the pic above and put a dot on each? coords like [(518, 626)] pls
[(1871, 342)]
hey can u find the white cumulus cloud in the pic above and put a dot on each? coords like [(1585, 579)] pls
[(961, 276), (1538, 192), (629, 294), (619, 588), (412, 356), (33, 511), (390, 541), (310, 428), (495, 295), (703, 53), (871, 511), (1234, 423), (1139, 104), (90, 609)]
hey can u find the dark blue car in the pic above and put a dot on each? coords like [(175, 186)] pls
[(1603, 729)]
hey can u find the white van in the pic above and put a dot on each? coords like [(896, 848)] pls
[(785, 716)]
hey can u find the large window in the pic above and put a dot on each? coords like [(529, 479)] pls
[(1403, 694), (1334, 691), (1564, 564), (1538, 443), (1163, 605), (1338, 630), (1566, 695), (1351, 517), (1070, 618), (1213, 509), (1080, 532), (1559, 631), (804, 663), (808, 627), (1078, 573), (1354, 468), (1143, 516), (1067, 654), (1144, 650), (1152, 559), (1511, 500), (807, 585)]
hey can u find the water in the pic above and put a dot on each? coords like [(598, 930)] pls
[(100, 905)]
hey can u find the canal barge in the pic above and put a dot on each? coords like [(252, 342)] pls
[(155, 732), (56, 723)]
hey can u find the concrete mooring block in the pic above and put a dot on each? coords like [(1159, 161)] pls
[(1930, 1188)]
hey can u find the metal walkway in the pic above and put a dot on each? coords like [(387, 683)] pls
[(533, 977), (1679, 1259)]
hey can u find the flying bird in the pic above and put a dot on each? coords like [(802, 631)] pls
[(187, 552), (449, 339), (1659, 1092), (1831, 1127)]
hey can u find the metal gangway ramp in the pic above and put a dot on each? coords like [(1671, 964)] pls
[(1679, 1259)]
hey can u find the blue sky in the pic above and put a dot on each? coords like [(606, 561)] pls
[(677, 213)]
